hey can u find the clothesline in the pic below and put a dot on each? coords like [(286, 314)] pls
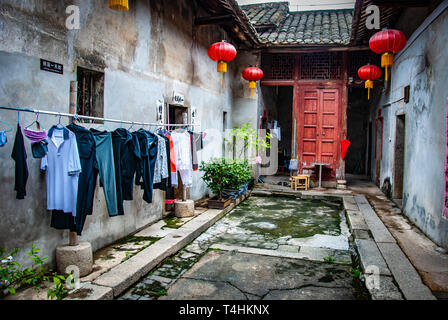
[(61, 114)]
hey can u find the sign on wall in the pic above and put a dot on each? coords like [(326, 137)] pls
[(51, 66), (178, 99)]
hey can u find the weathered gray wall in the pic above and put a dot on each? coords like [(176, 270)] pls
[(146, 54), (422, 66)]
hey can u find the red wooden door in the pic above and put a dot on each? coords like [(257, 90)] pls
[(318, 126)]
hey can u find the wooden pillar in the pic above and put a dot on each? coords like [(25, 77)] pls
[(73, 238), (344, 102)]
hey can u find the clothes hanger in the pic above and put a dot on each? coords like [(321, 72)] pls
[(35, 122), (9, 125), (131, 127), (59, 125)]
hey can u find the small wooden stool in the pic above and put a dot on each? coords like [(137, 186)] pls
[(296, 182)]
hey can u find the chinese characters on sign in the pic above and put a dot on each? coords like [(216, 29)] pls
[(51, 66)]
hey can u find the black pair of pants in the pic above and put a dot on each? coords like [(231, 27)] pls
[(145, 169), (126, 156), (86, 184)]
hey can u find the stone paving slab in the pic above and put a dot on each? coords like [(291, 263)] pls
[(379, 231), (91, 292), (356, 220), (219, 273), (386, 289), (194, 289), (371, 257), (308, 253), (310, 293), (404, 273), (155, 230), (319, 254), (350, 203), (127, 273)]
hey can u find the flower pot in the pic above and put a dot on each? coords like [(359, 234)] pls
[(230, 193), (215, 203)]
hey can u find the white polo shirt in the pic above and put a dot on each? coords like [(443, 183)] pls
[(62, 166)]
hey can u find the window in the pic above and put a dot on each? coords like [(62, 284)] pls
[(90, 93)]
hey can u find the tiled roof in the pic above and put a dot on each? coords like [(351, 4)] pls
[(277, 26), (266, 13)]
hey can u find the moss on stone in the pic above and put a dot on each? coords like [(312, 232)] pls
[(172, 223)]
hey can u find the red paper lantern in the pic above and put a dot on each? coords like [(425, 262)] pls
[(369, 73), (222, 52), (252, 74), (387, 43)]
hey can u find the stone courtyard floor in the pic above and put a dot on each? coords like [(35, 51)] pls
[(274, 244), (267, 248)]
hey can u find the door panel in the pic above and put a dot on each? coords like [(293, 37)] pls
[(318, 131), (309, 126)]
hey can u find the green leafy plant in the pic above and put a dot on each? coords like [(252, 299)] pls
[(355, 273), (220, 174), (161, 293), (13, 276), (250, 138), (329, 259)]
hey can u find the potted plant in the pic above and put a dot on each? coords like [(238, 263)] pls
[(239, 177), (221, 174)]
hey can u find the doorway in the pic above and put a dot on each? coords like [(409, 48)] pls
[(318, 128), (178, 115), (369, 150), (400, 138)]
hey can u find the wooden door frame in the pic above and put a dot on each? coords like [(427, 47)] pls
[(342, 109)]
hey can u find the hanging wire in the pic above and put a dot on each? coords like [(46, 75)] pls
[(71, 115)]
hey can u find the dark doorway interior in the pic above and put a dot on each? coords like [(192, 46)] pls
[(399, 159), (179, 115), (357, 132), (369, 150), (277, 107), (284, 109)]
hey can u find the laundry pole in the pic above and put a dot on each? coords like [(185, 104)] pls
[(73, 238)]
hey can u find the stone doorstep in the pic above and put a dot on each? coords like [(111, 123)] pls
[(307, 253), (124, 275)]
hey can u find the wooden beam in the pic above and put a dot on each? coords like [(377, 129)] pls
[(213, 20), (277, 83)]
